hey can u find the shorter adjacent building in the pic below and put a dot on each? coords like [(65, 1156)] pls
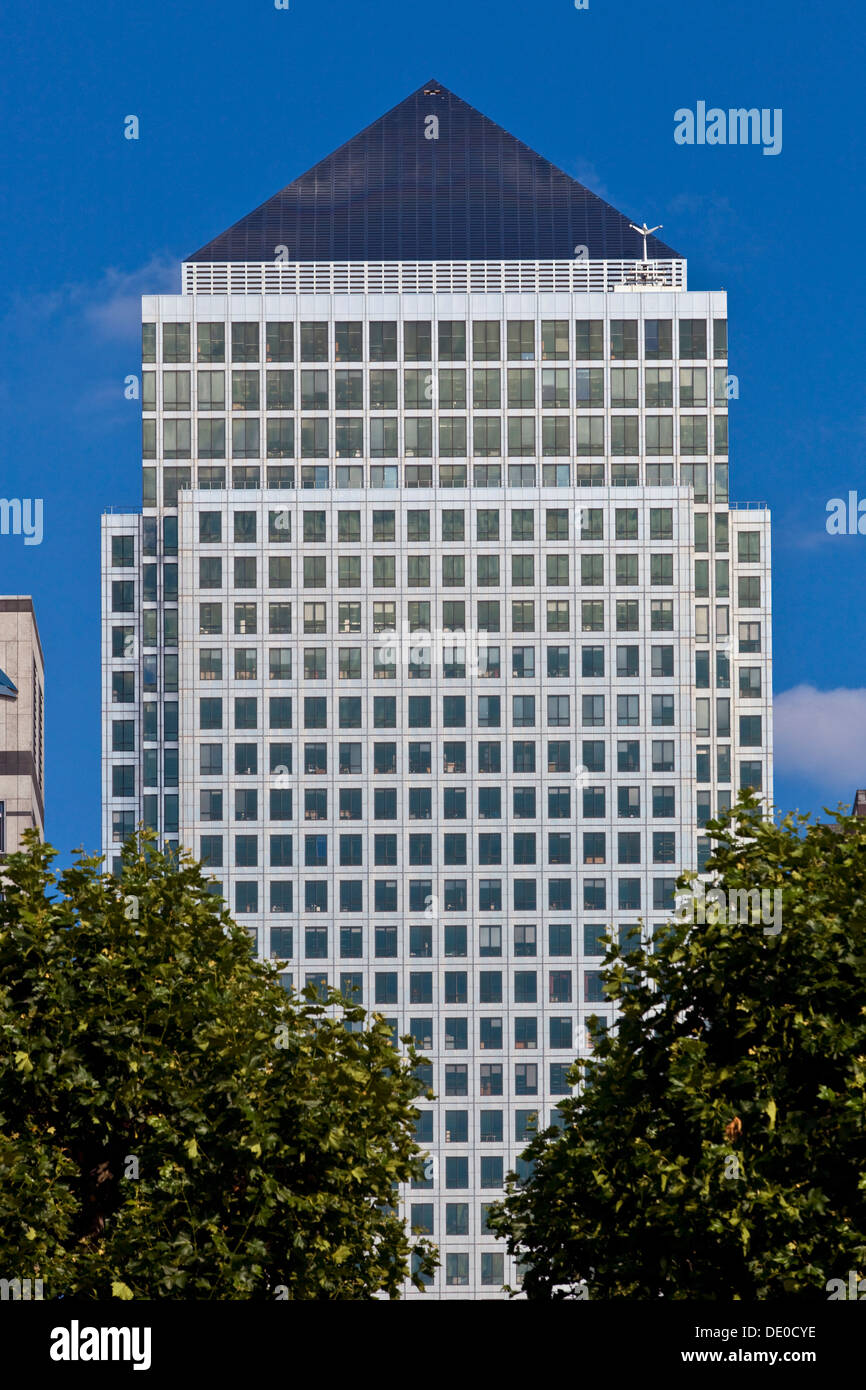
[(22, 723)]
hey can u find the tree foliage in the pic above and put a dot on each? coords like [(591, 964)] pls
[(715, 1147), (172, 1123)]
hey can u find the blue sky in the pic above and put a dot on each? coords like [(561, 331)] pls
[(236, 99)]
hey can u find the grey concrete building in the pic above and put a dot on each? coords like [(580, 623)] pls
[(22, 723)]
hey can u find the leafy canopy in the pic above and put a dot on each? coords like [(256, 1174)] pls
[(716, 1146), (172, 1123)]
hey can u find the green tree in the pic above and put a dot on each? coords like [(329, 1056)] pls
[(715, 1147), (172, 1123)]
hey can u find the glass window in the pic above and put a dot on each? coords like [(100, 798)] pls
[(589, 340), (521, 340), (485, 340), (279, 342), (176, 342), (383, 341), (417, 341), (693, 338), (658, 339), (554, 339)]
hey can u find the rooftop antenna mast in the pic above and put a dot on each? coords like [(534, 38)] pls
[(645, 231)]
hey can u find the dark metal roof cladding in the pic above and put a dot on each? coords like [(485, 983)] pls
[(392, 194)]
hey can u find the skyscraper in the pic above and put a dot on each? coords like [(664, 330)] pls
[(438, 638)]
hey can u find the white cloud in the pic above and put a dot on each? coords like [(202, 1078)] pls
[(586, 173), (111, 304), (821, 735), (115, 307)]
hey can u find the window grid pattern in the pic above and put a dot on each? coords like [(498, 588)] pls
[(599, 657)]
